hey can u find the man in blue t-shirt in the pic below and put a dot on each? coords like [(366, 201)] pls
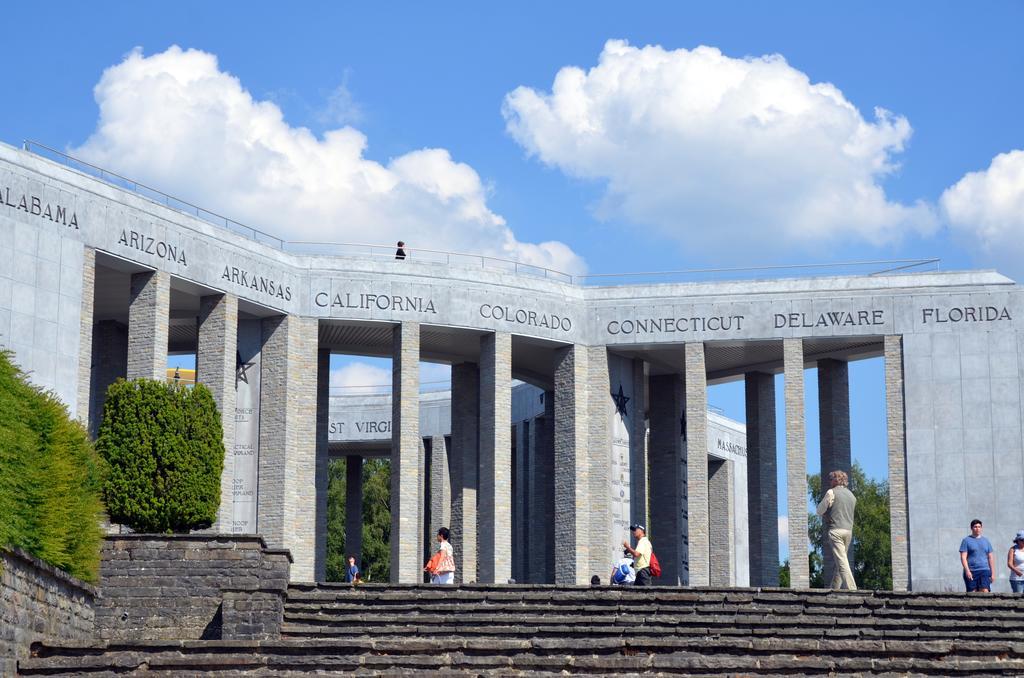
[(977, 560), (352, 572)]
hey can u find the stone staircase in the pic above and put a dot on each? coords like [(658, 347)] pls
[(512, 630)]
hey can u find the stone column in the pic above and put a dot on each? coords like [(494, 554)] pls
[(354, 508), (148, 314), (462, 466), (215, 368), (287, 461), (572, 484), (896, 428), (109, 361), (494, 508), (638, 446), (834, 415), (406, 462), (721, 523), (598, 449), (84, 395), (796, 462), (834, 434), (323, 458), (423, 539), (697, 465), (440, 488), (542, 494), (667, 528), (521, 504), (762, 490)]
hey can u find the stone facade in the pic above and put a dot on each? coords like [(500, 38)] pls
[(37, 602), (961, 339), (158, 587)]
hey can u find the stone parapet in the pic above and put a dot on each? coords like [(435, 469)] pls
[(170, 587), (39, 602)]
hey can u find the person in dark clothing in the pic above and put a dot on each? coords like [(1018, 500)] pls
[(400, 252)]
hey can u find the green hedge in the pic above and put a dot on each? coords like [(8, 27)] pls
[(50, 478), (164, 447)]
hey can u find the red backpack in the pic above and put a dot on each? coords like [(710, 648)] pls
[(655, 566)]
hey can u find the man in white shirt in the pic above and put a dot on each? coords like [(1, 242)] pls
[(641, 555), (836, 509)]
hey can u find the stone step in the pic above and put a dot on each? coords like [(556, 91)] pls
[(462, 656), (546, 631), (348, 607), (780, 598)]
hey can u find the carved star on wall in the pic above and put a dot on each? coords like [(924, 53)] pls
[(620, 399), (241, 369)]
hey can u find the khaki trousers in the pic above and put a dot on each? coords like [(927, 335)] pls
[(842, 575)]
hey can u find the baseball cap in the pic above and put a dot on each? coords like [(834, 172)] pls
[(638, 527)]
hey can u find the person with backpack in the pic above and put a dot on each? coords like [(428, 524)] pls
[(642, 555), (623, 573)]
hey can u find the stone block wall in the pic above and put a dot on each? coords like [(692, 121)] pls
[(158, 587), (39, 601)]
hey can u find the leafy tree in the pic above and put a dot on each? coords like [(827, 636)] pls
[(165, 448), (376, 556), (784, 574), (50, 478), (872, 563)]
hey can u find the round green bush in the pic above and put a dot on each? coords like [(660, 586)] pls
[(164, 445), (50, 478)]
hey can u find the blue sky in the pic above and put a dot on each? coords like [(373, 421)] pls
[(443, 124)]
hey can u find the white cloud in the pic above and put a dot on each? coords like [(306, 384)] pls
[(341, 107), (356, 378), (720, 153), (359, 377), (177, 121), (986, 208), (784, 531)]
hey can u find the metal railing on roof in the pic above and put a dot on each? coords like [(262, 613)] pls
[(467, 260)]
